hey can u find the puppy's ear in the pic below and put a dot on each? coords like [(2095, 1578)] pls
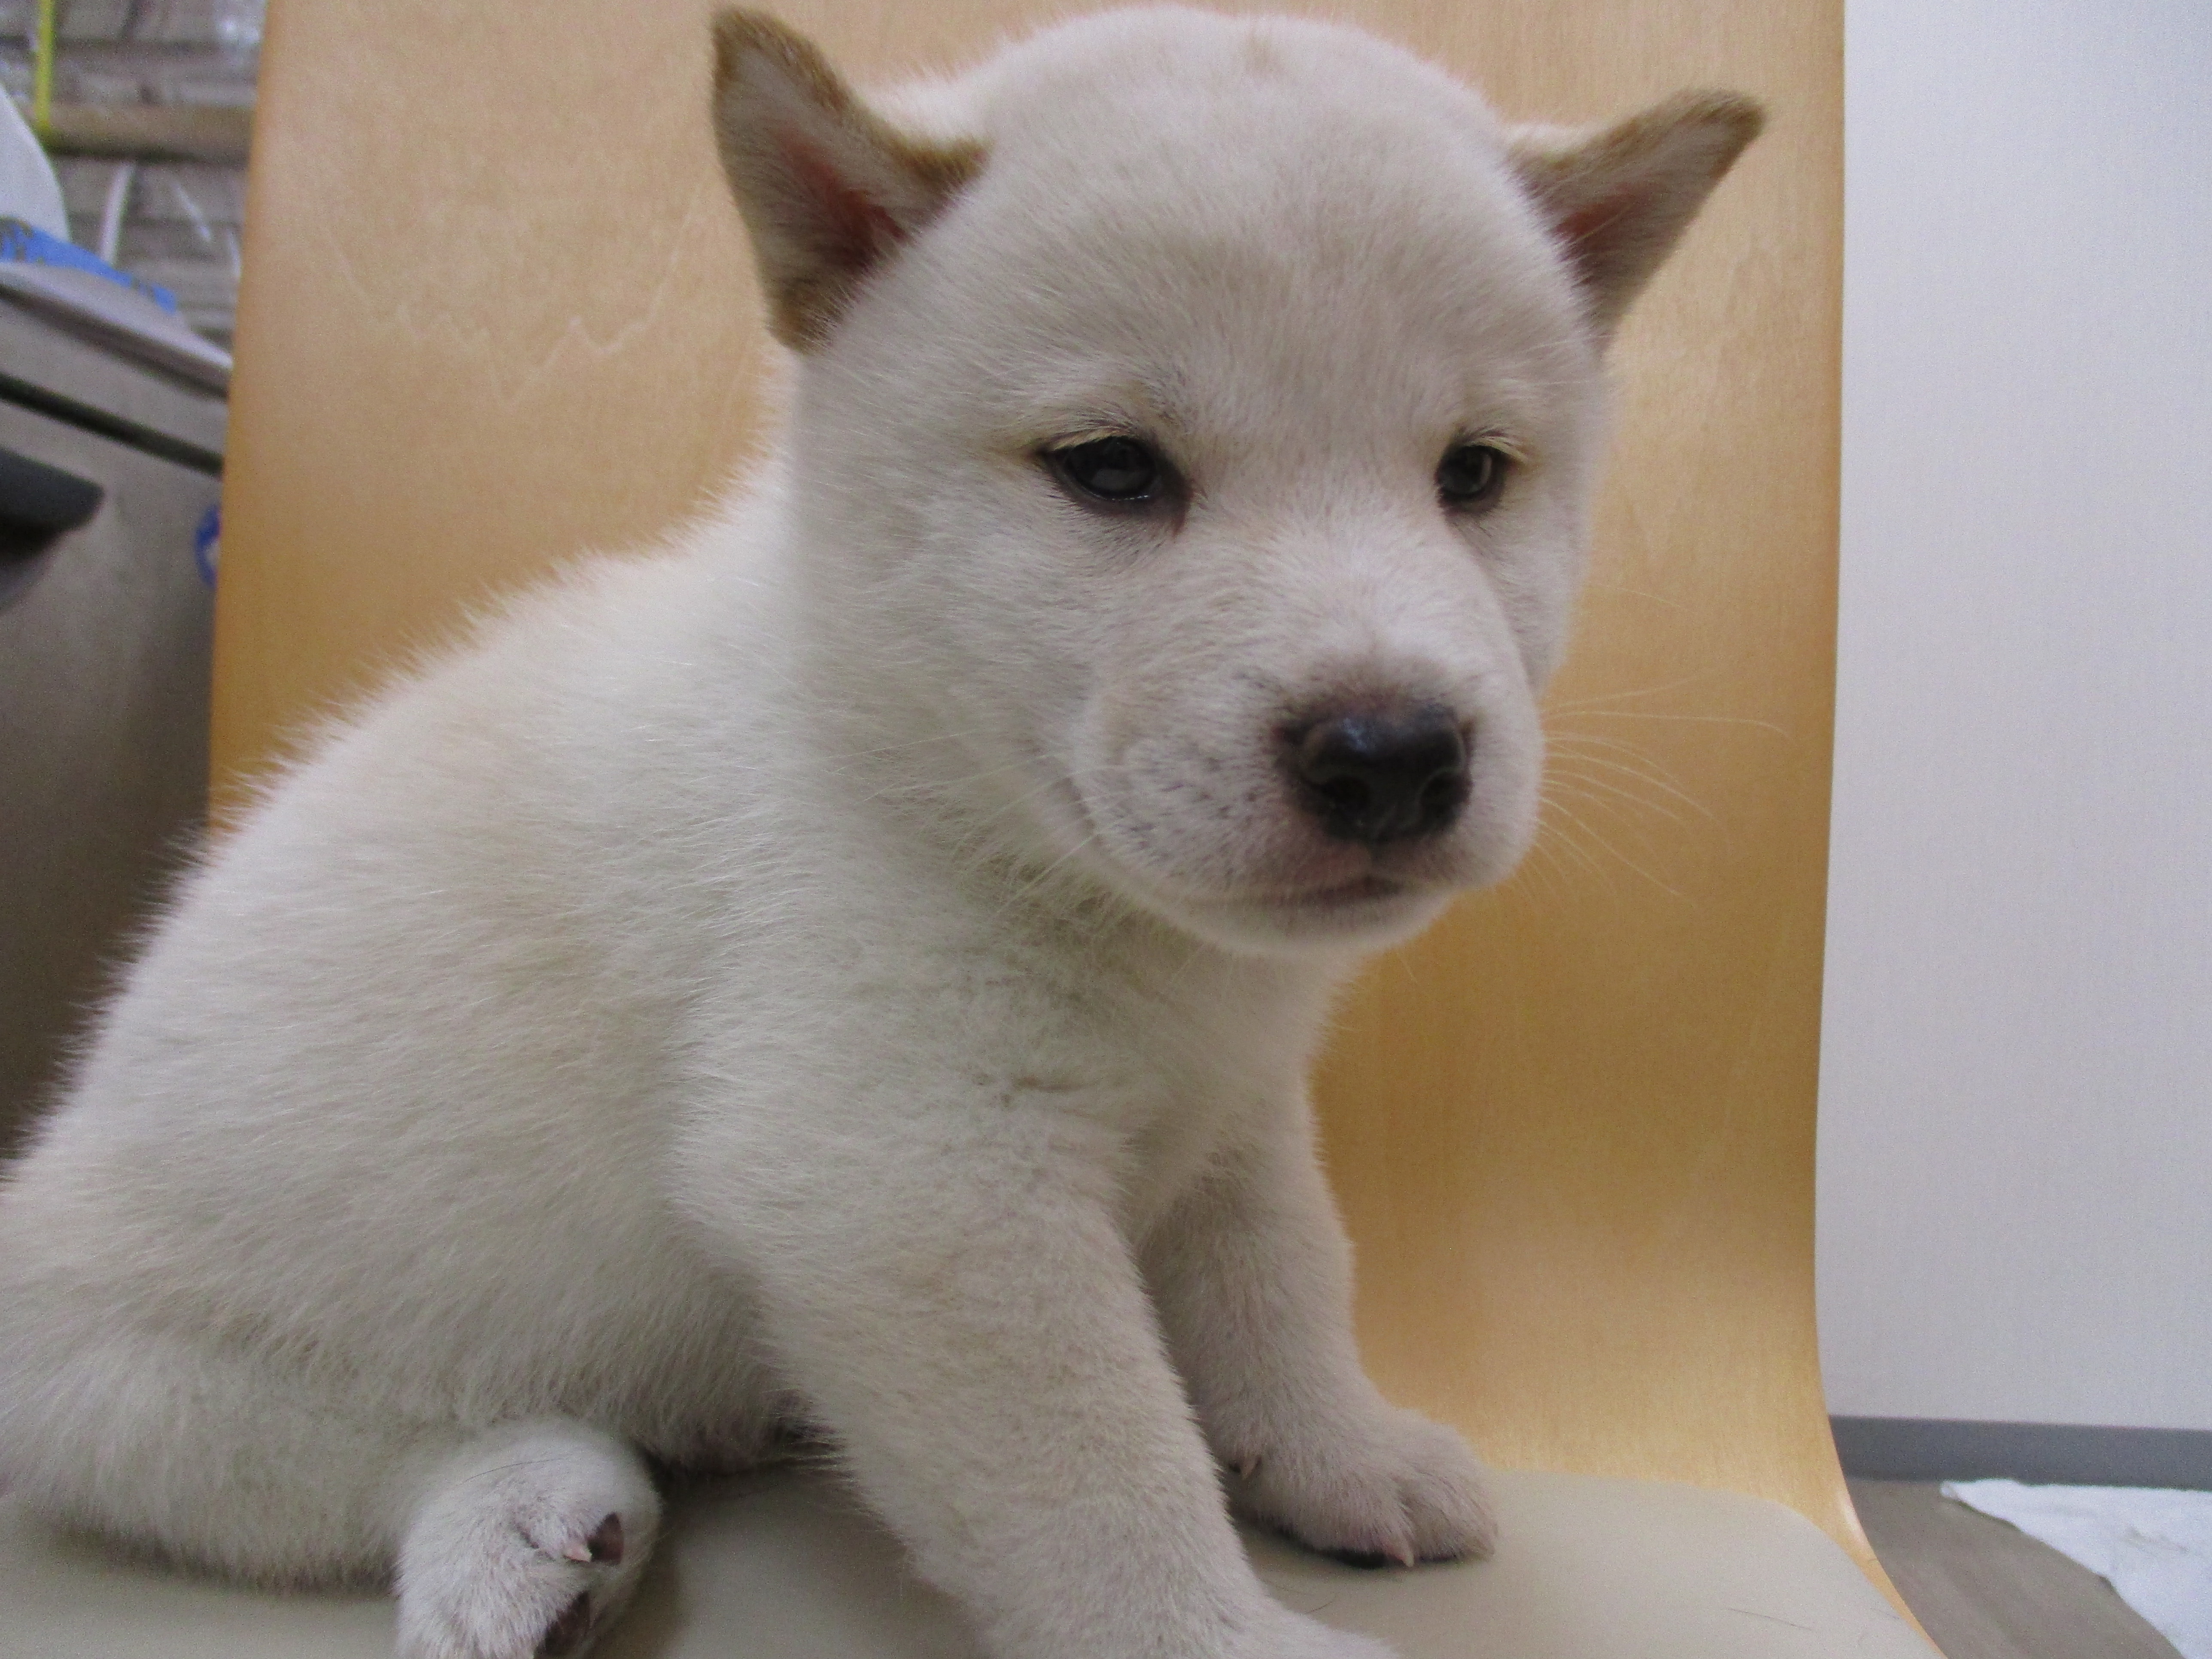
[(1617, 197), (828, 190)]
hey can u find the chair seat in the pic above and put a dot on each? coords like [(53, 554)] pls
[(782, 1565)]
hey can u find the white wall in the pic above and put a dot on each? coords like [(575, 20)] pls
[(2016, 1116)]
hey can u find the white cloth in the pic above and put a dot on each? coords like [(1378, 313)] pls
[(28, 188), (2153, 1547)]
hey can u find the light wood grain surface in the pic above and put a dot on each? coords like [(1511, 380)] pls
[(497, 312)]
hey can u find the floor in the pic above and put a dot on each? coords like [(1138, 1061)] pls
[(1986, 1590)]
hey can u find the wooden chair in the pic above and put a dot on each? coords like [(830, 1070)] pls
[(498, 310)]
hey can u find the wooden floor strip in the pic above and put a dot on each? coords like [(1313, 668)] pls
[(1986, 1590)]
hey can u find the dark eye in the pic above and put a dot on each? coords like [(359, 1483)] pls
[(1470, 475), (1122, 471)]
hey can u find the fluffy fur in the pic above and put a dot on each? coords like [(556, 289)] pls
[(856, 972)]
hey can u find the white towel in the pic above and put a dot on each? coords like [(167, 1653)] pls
[(28, 188), (2155, 1548)]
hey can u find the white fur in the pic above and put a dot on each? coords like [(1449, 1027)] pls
[(857, 970)]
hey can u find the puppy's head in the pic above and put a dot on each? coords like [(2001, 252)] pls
[(1195, 435)]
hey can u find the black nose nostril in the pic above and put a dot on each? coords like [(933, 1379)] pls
[(1377, 775)]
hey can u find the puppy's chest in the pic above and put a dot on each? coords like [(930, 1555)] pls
[(1205, 1071)]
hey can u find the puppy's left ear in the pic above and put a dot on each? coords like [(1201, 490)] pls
[(1618, 196), (829, 190)]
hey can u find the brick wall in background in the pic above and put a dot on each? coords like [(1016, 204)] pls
[(175, 223)]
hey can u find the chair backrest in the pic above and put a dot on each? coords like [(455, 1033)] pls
[(497, 309)]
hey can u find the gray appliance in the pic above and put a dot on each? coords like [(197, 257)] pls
[(109, 469)]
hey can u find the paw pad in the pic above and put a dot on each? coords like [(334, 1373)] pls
[(1366, 1561), (568, 1631)]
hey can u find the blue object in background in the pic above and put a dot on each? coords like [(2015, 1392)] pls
[(207, 544), (28, 245)]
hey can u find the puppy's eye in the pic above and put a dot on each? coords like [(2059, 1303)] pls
[(1470, 475), (1122, 471)]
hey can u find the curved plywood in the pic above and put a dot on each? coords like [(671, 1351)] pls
[(498, 311)]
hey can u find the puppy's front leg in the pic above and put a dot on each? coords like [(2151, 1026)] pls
[(1252, 1273), (954, 1295)]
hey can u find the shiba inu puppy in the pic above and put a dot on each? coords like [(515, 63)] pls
[(855, 973)]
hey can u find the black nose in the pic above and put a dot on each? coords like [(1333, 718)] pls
[(1382, 775)]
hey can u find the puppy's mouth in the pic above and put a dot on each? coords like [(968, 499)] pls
[(1321, 900), (1329, 895), (1362, 912), (1369, 907)]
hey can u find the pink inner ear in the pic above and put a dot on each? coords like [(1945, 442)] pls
[(845, 226), (1589, 221)]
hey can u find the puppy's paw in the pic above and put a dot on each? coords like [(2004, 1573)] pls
[(541, 1585), (527, 1547), (1396, 1488)]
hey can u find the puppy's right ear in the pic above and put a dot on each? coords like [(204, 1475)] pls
[(1617, 198), (828, 189)]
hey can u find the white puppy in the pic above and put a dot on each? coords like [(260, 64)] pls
[(857, 972)]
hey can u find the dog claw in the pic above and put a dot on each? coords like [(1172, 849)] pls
[(603, 1548)]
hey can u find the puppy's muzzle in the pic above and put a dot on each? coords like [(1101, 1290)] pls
[(1377, 775)]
